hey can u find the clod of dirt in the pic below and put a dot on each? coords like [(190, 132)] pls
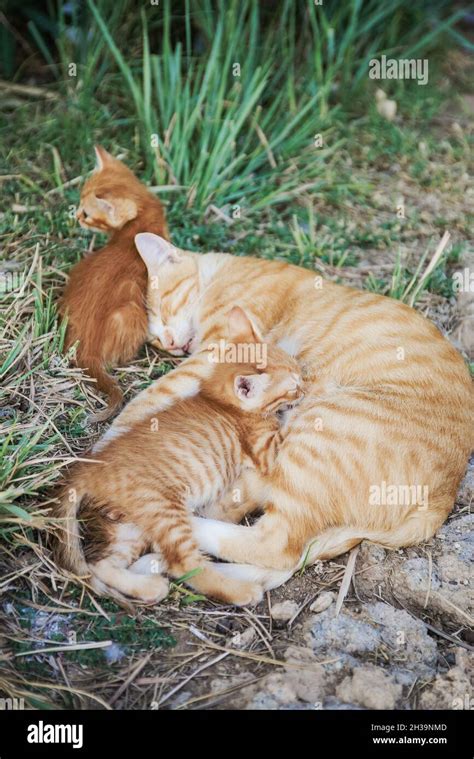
[(452, 690), (367, 658), (440, 587), (370, 687), (379, 630), (341, 638), (243, 639), (309, 679), (277, 693), (284, 611), (466, 488), (463, 334), (323, 602)]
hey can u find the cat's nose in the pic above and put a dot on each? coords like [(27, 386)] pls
[(169, 339)]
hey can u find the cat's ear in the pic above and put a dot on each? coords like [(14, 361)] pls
[(241, 327), (118, 210), (251, 387), (155, 250), (102, 157)]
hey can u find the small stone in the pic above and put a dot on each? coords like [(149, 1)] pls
[(244, 639), (284, 611), (322, 602)]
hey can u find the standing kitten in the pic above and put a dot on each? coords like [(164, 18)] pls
[(104, 299), (141, 494)]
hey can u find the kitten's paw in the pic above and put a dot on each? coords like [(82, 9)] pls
[(149, 564), (152, 589)]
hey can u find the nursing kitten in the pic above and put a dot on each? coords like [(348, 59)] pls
[(389, 403), (104, 300), (140, 496)]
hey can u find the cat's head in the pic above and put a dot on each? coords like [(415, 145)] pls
[(172, 294), (251, 374), (110, 197)]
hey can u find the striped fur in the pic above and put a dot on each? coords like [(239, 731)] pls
[(104, 299), (141, 493), (389, 401)]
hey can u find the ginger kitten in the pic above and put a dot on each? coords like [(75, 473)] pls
[(142, 493), (104, 300)]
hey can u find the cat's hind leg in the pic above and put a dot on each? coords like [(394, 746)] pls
[(148, 588), (266, 578), (111, 571), (183, 559)]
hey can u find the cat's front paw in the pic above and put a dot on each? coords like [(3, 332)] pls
[(248, 594)]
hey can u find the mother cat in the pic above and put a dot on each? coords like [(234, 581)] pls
[(389, 409)]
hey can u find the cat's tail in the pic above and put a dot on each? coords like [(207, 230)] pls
[(106, 384)]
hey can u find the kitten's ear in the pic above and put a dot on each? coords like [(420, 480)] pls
[(241, 328), (155, 250), (102, 157), (118, 211), (251, 387)]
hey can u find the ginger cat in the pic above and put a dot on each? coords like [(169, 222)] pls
[(104, 299), (140, 496), (389, 402)]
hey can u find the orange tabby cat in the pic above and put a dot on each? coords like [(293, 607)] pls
[(140, 495), (104, 299), (389, 407)]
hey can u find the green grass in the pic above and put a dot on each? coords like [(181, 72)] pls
[(130, 634)]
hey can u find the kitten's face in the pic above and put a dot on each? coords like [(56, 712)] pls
[(269, 380), (107, 199), (173, 294)]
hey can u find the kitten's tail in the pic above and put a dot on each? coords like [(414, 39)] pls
[(107, 385), (89, 560), (68, 547)]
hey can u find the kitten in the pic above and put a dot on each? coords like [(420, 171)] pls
[(104, 300), (141, 495)]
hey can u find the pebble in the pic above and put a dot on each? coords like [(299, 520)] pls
[(284, 611), (322, 602)]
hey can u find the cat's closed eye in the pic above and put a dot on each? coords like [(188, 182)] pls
[(82, 215)]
